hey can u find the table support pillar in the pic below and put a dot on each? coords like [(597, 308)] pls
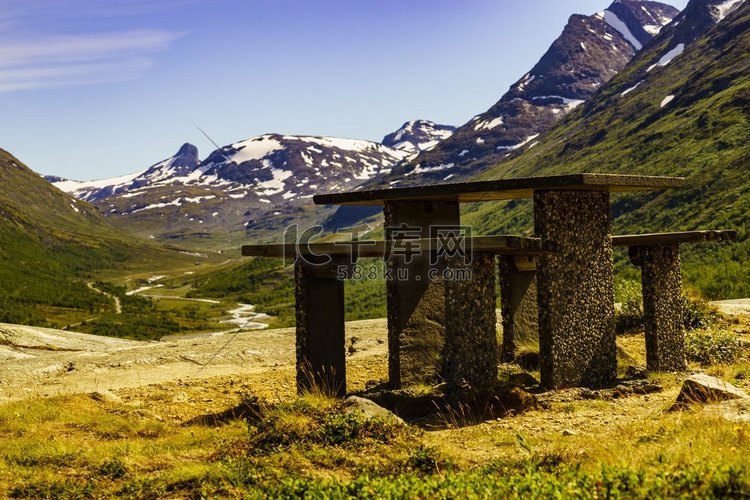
[(575, 289), (520, 313), (416, 303), (471, 326), (321, 355), (662, 306)]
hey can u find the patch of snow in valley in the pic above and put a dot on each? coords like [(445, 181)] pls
[(667, 100), (626, 92), (669, 56)]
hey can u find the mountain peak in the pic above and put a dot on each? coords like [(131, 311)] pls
[(417, 135)]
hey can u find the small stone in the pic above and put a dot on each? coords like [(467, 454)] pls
[(636, 372), (522, 379), (180, 397), (588, 394), (569, 432), (144, 413), (703, 389), (106, 397)]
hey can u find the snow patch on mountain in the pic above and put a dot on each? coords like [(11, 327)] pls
[(626, 92), (722, 10), (667, 100), (668, 57), (254, 149), (617, 23), (417, 135)]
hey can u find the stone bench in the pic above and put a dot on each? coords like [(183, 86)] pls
[(463, 309), (659, 259), (658, 256)]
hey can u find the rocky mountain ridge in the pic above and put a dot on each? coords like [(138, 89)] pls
[(239, 183), (590, 51)]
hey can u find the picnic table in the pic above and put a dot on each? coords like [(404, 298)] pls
[(574, 283)]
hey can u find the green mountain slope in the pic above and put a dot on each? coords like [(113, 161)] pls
[(50, 246), (702, 133)]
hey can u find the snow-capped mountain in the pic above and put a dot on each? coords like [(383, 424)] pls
[(418, 135), (282, 167), (590, 51), (182, 163), (240, 184)]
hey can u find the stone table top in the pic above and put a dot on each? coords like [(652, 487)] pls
[(504, 189), (498, 245)]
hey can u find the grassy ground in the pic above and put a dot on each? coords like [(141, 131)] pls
[(177, 439)]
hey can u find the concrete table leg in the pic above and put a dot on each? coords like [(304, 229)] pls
[(416, 304), (575, 290), (662, 306), (321, 355), (471, 331), (520, 313)]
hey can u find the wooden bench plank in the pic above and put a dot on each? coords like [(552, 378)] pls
[(497, 245), (660, 239)]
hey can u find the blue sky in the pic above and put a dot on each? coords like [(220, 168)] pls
[(99, 88)]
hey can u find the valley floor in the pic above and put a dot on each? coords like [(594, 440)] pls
[(136, 436)]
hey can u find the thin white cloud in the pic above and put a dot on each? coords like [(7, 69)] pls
[(78, 74), (88, 8), (54, 61), (84, 47), (33, 57)]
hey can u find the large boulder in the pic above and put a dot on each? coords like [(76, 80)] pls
[(356, 404), (703, 389)]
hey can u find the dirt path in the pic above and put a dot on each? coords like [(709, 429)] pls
[(44, 362), (118, 306)]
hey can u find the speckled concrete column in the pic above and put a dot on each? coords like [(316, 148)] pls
[(662, 306), (321, 356), (416, 304), (471, 335), (520, 314), (575, 289)]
